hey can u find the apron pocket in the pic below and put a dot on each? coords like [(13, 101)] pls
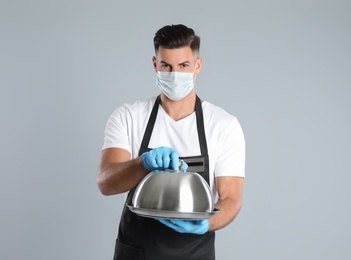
[(127, 252)]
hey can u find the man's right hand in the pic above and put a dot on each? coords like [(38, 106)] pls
[(160, 158)]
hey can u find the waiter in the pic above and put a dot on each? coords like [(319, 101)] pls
[(153, 134)]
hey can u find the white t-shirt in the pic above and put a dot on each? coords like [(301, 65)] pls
[(225, 140)]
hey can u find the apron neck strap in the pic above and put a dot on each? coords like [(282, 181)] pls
[(150, 126), (200, 126)]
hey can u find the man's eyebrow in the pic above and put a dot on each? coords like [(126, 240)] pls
[(184, 62), (164, 62)]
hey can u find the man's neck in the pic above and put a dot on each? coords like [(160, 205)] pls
[(178, 110)]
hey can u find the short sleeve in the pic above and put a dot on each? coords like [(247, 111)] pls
[(231, 158), (116, 130)]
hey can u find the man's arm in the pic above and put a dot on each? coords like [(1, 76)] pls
[(117, 173), (229, 201)]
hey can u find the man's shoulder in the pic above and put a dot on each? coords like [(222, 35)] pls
[(134, 109), (136, 106), (140, 103), (220, 121), (215, 111)]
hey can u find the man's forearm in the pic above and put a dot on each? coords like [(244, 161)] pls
[(120, 177), (228, 210)]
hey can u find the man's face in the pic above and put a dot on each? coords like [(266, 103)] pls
[(177, 60)]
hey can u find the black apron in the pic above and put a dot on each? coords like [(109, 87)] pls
[(142, 238)]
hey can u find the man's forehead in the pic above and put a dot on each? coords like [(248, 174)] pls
[(177, 54)]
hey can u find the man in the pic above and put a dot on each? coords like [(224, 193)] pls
[(153, 134)]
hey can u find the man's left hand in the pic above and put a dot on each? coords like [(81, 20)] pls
[(198, 227)]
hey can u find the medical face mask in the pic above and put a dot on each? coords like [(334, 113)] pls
[(175, 85)]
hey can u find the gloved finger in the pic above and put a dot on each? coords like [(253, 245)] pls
[(163, 221), (168, 223), (147, 161), (158, 157), (166, 159), (181, 223), (184, 167), (152, 162), (174, 160), (205, 222), (202, 226)]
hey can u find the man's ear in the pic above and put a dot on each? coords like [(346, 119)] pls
[(198, 65), (154, 63)]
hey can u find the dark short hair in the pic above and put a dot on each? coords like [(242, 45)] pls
[(176, 36)]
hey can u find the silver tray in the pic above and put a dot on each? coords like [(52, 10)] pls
[(154, 213)]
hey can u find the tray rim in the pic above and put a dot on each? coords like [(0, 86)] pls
[(183, 215)]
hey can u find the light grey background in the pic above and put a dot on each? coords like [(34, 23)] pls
[(282, 67)]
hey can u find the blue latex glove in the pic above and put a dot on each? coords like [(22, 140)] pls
[(198, 227), (161, 158)]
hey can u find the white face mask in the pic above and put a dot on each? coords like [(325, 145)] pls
[(175, 85)]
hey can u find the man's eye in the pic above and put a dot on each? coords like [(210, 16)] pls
[(164, 66), (184, 65)]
